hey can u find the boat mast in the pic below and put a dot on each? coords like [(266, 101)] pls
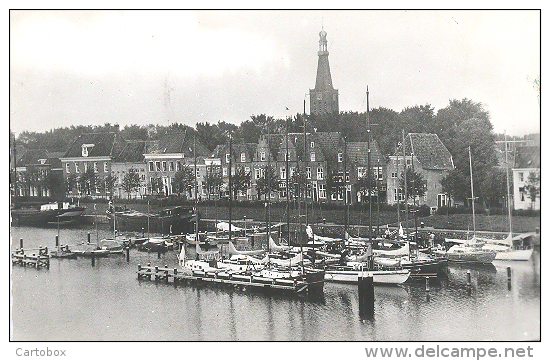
[(405, 182), (398, 202), (507, 185), (472, 189), (287, 190), (305, 163), (369, 175), (414, 193), (230, 182), (196, 189), (268, 189)]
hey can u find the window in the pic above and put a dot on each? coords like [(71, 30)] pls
[(171, 166), (308, 172), (77, 167), (227, 158), (408, 162), (158, 166), (520, 176), (67, 168), (105, 167), (151, 167), (164, 166), (283, 173), (320, 174), (95, 167), (85, 167), (312, 144), (312, 156), (262, 156), (361, 171), (259, 173), (287, 157), (247, 170), (291, 171), (224, 171), (243, 157), (394, 174), (347, 176), (522, 193), (322, 191), (178, 165), (340, 157)]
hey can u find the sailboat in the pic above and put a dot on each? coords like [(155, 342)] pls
[(505, 248), (470, 251)]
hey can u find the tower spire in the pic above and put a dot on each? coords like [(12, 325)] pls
[(323, 98)]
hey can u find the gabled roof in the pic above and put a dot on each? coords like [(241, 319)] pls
[(527, 157), (104, 145), (428, 150), (178, 143), (237, 148)]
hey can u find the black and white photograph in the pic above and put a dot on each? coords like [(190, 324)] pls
[(275, 175)]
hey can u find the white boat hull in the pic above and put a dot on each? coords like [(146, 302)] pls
[(515, 255), (379, 277)]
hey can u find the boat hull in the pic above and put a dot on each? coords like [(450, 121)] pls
[(515, 255), (139, 222), (471, 257), (379, 277), (35, 217)]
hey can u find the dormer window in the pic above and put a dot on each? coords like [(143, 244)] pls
[(227, 159), (86, 148), (340, 157), (243, 157), (262, 156), (312, 144), (312, 156), (42, 161)]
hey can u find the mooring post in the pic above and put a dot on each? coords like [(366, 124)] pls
[(21, 243), (56, 241), (127, 254), (158, 253), (89, 237), (427, 284), (469, 278), (93, 259), (509, 272), (37, 261), (156, 273), (365, 288)]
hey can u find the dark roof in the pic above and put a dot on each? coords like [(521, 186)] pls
[(181, 142), (527, 157), (105, 145), (428, 150), (31, 156), (131, 152), (248, 148), (358, 153)]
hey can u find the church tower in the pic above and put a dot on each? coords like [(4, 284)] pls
[(324, 98)]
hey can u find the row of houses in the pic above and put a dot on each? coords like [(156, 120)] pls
[(330, 167)]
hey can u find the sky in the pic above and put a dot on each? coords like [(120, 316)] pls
[(160, 67)]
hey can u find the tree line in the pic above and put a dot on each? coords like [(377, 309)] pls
[(461, 124)]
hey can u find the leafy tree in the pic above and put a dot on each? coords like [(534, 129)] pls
[(533, 186), (335, 183), (416, 185), (299, 184), (155, 185), (493, 187), (267, 183), (184, 180), (88, 181), (71, 182), (108, 183), (54, 182), (131, 181), (213, 182), (240, 181)]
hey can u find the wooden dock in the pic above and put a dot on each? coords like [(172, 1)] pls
[(23, 258), (221, 278)]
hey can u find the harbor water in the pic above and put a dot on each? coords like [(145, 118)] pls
[(73, 301)]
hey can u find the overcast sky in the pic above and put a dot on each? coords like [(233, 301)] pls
[(142, 67)]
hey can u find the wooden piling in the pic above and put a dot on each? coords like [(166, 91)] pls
[(469, 278), (21, 243), (93, 259), (509, 273), (365, 288), (89, 237), (427, 284), (127, 254), (57, 241)]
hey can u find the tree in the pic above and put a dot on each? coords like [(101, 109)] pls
[(88, 181), (108, 183), (54, 182), (298, 184), (240, 181), (416, 185), (533, 186), (268, 182), (493, 187), (335, 183), (213, 181), (155, 185), (184, 180), (131, 181), (364, 184)]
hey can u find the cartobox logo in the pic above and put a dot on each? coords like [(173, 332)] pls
[(37, 352)]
